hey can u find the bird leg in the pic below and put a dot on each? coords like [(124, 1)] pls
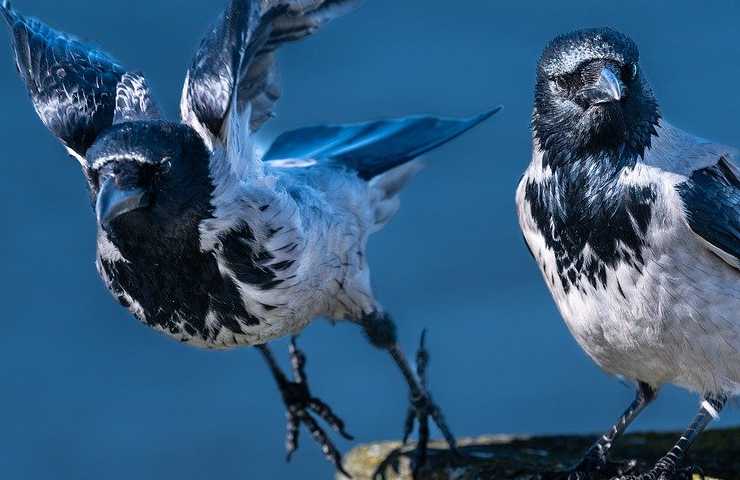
[(596, 456), (669, 467), (595, 461), (381, 332), (300, 404)]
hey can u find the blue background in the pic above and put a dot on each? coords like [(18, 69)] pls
[(88, 393)]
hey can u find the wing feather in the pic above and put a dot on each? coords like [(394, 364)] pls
[(73, 85), (711, 199), (237, 58), (371, 148)]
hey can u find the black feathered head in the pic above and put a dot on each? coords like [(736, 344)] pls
[(591, 98), (143, 171), (148, 177)]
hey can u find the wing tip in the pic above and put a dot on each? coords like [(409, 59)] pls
[(487, 114)]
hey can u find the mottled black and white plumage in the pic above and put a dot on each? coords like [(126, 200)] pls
[(199, 236), (635, 225)]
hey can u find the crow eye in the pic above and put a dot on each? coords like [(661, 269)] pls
[(165, 165), (561, 81), (629, 71)]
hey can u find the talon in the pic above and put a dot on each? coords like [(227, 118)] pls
[(422, 407), (422, 359), (381, 332), (325, 412), (422, 345), (299, 404)]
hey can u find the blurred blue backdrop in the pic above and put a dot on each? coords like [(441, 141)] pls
[(89, 393)]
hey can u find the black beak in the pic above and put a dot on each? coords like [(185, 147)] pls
[(114, 201), (608, 88)]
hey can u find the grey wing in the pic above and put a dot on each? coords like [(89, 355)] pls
[(73, 86), (711, 198), (235, 60)]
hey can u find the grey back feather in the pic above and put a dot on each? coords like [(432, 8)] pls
[(708, 184)]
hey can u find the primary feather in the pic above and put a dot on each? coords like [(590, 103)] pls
[(372, 148), (72, 85), (711, 197)]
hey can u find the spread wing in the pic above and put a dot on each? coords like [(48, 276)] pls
[(372, 148), (300, 19), (711, 199), (235, 60), (73, 86)]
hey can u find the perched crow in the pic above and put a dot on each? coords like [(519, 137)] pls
[(635, 225), (203, 238)]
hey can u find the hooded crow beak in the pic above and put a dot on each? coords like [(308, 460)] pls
[(114, 201), (608, 88)]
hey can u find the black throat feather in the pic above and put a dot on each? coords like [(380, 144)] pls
[(588, 218), (175, 283), (618, 133)]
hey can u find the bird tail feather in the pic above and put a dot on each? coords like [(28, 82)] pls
[(385, 190)]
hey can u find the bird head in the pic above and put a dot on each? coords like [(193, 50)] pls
[(146, 175), (149, 178), (591, 96)]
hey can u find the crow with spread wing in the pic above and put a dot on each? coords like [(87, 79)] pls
[(200, 236)]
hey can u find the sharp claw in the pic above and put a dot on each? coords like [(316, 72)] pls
[(325, 412), (298, 402), (422, 359), (392, 461), (343, 471), (330, 451), (422, 406)]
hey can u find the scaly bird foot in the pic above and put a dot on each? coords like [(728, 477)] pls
[(665, 469), (301, 406), (421, 408)]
